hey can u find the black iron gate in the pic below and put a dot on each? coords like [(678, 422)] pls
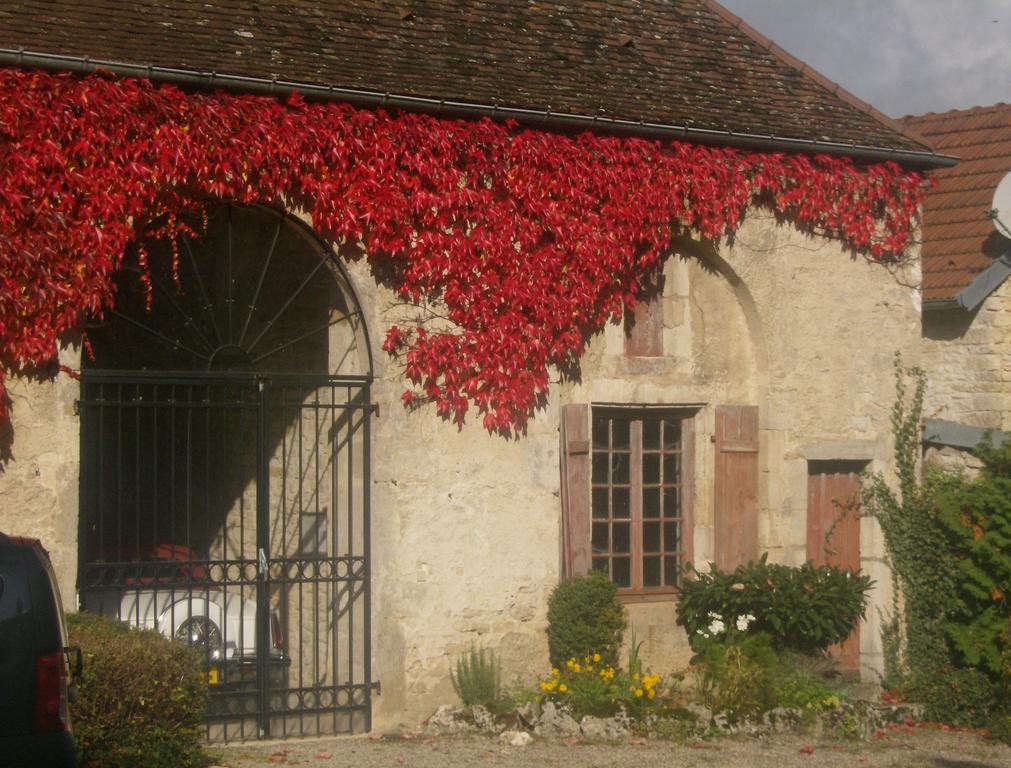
[(232, 512)]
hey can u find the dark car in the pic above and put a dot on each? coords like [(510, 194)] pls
[(35, 675)]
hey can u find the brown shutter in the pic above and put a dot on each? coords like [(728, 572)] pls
[(645, 337), (736, 525), (575, 461)]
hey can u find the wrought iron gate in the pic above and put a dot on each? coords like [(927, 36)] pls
[(232, 511)]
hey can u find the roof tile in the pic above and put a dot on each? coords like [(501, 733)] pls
[(959, 241), (676, 62)]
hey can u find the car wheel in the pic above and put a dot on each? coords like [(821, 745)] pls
[(202, 633)]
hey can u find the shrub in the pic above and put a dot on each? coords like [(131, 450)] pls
[(804, 609), (477, 679), (964, 697), (141, 697), (735, 676), (585, 617), (800, 688), (975, 517), (591, 686)]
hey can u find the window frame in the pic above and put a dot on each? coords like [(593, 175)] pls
[(637, 414)]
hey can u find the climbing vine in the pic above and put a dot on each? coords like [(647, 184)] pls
[(530, 240)]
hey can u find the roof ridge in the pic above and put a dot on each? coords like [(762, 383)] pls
[(810, 72), (999, 106)]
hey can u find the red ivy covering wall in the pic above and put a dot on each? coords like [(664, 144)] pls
[(532, 240)]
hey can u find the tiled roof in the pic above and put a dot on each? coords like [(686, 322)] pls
[(674, 62), (959, 241)]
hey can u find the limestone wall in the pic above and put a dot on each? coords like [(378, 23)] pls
[(466, 526), (967, 357), (38, 483)]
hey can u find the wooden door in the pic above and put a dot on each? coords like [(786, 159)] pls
[(833, 530)]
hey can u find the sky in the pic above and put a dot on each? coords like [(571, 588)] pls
[(903, 56)]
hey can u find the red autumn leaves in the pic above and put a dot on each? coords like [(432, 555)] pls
[(531, 241)]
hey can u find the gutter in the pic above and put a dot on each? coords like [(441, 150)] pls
[(545, 119), (976, 292)]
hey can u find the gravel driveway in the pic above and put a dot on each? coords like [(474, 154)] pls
[(924, 748)]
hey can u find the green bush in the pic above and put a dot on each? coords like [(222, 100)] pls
[(799, 688), (975, 516), (477, 680), (964, 697), (804, 609), (585, 617), (735, 676), (141, 697)]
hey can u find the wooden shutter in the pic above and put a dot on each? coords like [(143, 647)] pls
[(575, 466), (736, 525), (645, 337)]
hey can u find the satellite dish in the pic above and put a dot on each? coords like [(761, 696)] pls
[(1000, 209)]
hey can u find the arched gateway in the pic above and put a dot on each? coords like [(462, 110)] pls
[(225, 470)]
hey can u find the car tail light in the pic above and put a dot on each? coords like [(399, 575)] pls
[(276, 638), (51, 693)]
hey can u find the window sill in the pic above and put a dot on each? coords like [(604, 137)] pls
[(665, 596)]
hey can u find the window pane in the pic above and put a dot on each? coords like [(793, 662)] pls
[(621, 572), (600, 467), (671, 467), (671, 434), (651, 434), (619, 432), (600, 431), (651, 538), (671, 571), (599, 538), (600, 564), (672, 502), (620, 500), (599, 502), (671, 537), (619, 467), (651, 502), (651, 468), (620, 537), (651, 571)]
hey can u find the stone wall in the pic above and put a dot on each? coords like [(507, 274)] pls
[(466, 526), (967, 357)]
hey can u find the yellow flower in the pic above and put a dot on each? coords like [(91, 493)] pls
[(563, 688), (651, 694), (555, 673), (596, 657), (589, 667), (638, 693), (576, 668)]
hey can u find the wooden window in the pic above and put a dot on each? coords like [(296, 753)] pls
[(640, 477)]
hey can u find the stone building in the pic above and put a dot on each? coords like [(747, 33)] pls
[(722, 421), (966, 295)]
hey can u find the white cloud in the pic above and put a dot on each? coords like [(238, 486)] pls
[(903, 56)]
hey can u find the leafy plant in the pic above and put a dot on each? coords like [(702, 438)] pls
[(477, 680), (805, 608), (140, 700), (975, 515), (591, 686), (120, 159), (735, 676), (914, 540), (964, 697), (585, 617)]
